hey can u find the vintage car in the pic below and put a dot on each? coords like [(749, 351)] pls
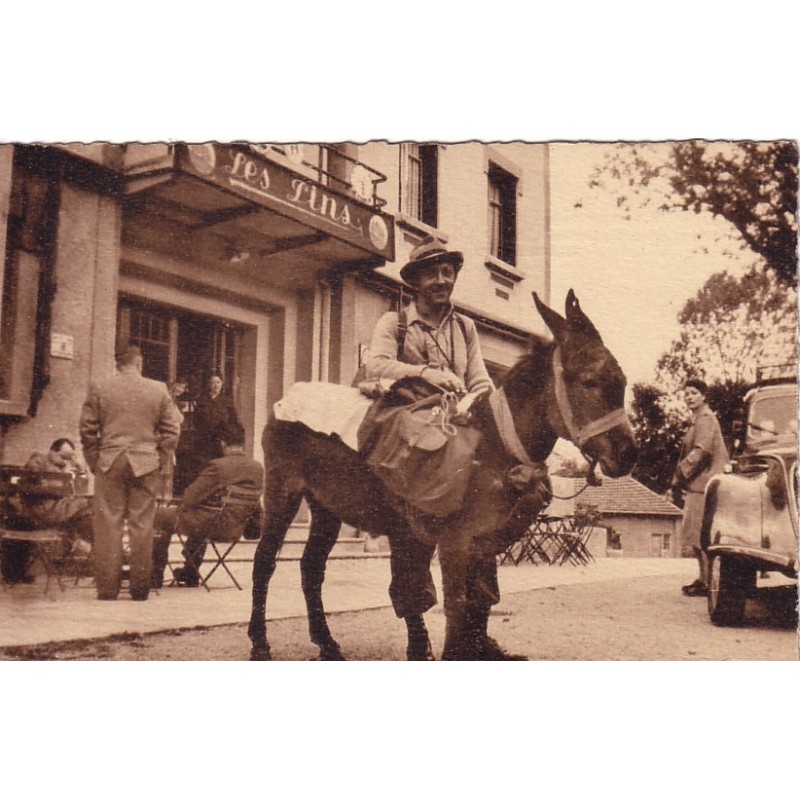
[(750, 516)]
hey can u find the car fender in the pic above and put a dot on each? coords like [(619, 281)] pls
[(743, 514)]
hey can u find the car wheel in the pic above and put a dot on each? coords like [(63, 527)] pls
[(729, 584)]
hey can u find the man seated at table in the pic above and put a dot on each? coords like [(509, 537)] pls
[(200, 504), (71, 514)]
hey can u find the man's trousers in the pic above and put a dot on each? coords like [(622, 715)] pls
[(120, 496)]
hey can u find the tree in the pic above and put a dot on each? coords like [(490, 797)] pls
[(753, 185), (659, 427), (730, 328)]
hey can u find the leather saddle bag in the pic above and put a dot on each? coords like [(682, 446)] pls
[(422, 457)]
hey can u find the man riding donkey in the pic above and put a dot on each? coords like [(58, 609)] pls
[(429, 341)]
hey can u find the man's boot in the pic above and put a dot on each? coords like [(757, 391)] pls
[(481, 645)]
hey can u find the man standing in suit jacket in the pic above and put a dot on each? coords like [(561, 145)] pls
[(201, 503), (129, 429)]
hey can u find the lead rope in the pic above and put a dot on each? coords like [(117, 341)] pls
[(571, 496), (442, 414)]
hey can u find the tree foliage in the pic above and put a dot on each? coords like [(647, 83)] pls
[(659, 432), (731, 327), (753, 185), (728, 329)]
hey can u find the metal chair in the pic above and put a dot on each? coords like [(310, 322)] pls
[(573, 541), (224, 530), (19, 488)]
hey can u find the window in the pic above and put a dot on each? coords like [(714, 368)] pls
[(419, 189), (177, 343), (26, 283), (502, 215)]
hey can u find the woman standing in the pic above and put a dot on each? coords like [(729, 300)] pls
[(213, 413), (703, 454)]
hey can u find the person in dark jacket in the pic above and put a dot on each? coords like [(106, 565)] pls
[(71, 514), (213, 412), (200, 504)]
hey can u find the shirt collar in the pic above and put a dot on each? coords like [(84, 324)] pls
[(413, 316)]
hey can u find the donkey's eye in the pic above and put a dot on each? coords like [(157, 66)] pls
[(590, 383)]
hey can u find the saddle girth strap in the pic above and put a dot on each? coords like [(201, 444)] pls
[(506, 428)]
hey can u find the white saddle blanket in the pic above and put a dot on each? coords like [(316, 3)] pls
[(325, 407)]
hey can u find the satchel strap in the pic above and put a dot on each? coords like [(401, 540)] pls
[(402, 329)]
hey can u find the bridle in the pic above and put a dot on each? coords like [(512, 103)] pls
[(579, 435)]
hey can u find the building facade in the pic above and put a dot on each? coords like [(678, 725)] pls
[(267, 264), (637, 522)]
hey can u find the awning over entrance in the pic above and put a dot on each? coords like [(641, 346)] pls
[(225, 205)]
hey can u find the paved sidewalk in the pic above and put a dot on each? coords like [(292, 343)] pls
[(28, 616)]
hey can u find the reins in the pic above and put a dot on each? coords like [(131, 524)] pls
[(586, 485)]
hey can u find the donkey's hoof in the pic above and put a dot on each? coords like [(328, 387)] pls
[(331, 652), (260, 653)]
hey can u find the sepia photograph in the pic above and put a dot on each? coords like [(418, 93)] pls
[(399, 400), (335, 339)]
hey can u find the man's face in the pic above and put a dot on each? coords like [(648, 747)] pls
[(434, 283), (63, 457)]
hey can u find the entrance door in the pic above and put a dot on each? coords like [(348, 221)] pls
[(179, 344)]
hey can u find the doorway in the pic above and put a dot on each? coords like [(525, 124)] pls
[(179, 344)]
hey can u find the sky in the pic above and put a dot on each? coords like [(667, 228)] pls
[(631, 276)]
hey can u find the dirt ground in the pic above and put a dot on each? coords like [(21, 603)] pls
[(636, 620)]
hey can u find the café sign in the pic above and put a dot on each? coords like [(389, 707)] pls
[(253, 177)]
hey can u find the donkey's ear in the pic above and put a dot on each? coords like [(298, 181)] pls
[(552, 319), (571, 305), (576, 317)]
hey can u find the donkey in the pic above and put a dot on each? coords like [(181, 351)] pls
[(571, 387)]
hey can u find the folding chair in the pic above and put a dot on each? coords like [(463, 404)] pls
[(533, 543), (18, 487), (224, 530), (583, 530), (573, 540)]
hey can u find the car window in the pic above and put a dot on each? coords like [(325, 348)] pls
[(772, 416)]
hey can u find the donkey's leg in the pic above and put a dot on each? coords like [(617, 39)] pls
[(281, 508), (419, 642), (321, 538)]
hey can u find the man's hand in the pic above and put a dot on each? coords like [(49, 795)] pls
[(444, 379)]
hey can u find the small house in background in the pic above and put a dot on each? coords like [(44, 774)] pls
[(638, 522)]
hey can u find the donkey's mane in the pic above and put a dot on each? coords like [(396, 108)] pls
[(532, 367)]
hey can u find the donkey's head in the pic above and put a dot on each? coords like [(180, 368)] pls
[(590, 390)]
